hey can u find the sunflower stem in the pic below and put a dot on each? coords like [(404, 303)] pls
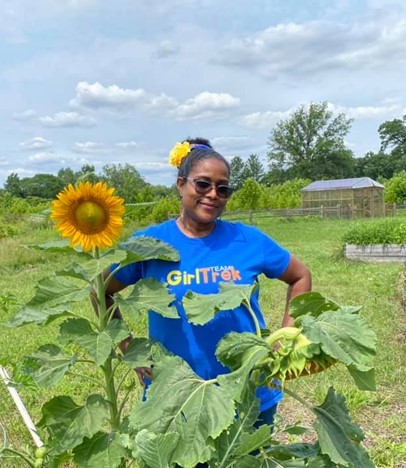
[(111, 393), (107, 367)]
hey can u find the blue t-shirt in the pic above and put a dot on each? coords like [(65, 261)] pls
[(231, 252)]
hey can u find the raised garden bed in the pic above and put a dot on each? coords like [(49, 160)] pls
[(376, 252)]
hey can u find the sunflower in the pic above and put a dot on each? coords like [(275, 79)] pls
[(89, 214)]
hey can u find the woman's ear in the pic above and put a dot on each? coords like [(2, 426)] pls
[(179, 184)]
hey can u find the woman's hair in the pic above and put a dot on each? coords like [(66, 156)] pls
[(201, 151)]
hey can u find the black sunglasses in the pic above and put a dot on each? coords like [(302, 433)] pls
[(204, 186)]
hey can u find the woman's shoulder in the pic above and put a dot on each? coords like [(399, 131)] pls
[(157, 230), (238, 228)]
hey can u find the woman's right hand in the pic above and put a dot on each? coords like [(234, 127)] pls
[(143, 373)]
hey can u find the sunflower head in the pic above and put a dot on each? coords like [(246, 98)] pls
[(90, 215), (178, 153)]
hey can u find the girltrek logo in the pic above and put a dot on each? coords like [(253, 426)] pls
[(206, 275)]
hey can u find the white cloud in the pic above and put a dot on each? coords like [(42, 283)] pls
[(29, 114), (3, 161), (127, 145), (36, 143), (96, 96), (368, 112), (317, 46), (90, 147), (206, 104), (68, 119), (166, 49), (45, 157), (263, 120)]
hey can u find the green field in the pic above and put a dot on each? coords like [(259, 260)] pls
[(378, 288)]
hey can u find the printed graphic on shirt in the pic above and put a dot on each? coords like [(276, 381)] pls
[(206, 275)]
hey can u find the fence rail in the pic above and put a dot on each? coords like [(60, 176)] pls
[(347, 212)]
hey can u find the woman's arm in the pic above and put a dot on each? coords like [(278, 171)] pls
[(299, 281)]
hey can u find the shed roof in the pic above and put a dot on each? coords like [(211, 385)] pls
[(354, 183)]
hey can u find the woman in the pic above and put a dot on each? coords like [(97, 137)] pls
[(211, 251)]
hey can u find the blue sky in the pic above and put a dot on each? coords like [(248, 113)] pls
[(100, 82)]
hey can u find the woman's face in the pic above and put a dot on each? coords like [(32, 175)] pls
[(203, 208)]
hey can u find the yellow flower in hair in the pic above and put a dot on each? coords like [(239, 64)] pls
[(178, 153)]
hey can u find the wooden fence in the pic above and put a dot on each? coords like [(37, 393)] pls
[(346, 212)]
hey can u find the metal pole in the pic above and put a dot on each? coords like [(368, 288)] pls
[(21, 408)]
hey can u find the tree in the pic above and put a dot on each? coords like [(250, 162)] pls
[(41, 185), (253, 168), (237, 172), (393, 134), (311, 144), (67, 176), (126, 180), (395, 190), (13, 185)]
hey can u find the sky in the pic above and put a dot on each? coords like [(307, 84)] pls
[(100, 82)]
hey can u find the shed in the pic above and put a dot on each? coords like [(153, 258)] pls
[(361, 196)]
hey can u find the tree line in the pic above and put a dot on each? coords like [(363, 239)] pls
[(309, 145)]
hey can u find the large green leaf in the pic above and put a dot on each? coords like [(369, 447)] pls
[(38, 316), (138, 353), (241, 352), (230, 439), (103, 450), (52, 365), (250, 442), (200, 308), (148, 294), (338, 437), (345, 337), (80, 331), (310, 303), (61, 246), (69, 422), (54, 291), (196, 409), (156, 449), (90, 269), (147, 248)]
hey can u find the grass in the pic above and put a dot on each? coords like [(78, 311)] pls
[(379, 288)]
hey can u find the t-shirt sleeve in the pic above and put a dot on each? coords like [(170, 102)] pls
[(276, 258), (131, 273)]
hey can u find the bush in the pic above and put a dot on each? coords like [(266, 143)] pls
[(382, 231), (164, 209), (6, 230)]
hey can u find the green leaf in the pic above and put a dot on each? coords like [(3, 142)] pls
[(69, 423), (344, 337), (147, 248), (196, 409), (80, 331), (339, 437), (156, 449), (200, 308), (55, 291), (75, 270), (38, 316), (311, 303), (138, 353), (364, 380), (241, 352), (250, 442), (230, 439), (53, 365), (148, 294), (102, 450), (61, 246)]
